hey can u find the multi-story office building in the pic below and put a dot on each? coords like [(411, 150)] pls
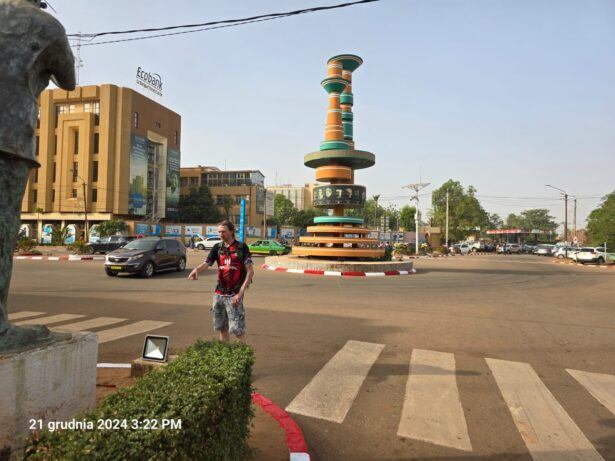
[(109, 148), (301, 196), (238, 184)]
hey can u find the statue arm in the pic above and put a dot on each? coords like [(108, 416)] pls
[(60, 63)]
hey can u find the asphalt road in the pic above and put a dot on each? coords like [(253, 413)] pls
[(537, 318)]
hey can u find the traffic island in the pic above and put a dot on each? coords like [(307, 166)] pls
[(312, 266)]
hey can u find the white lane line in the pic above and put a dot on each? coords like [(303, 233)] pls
[(23, 315), (331, 392), (50, 319), (600, 385), (129, 330), (92, 323), (547, 430), (113, 365), (432, 410)]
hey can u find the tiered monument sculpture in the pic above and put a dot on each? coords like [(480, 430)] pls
[(339, 236)]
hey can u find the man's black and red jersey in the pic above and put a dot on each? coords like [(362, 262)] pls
[(232, 261)]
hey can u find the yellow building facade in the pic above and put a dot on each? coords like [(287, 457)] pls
[(108, 150), (238, 184)]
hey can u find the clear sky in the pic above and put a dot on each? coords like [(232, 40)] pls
[(504, 95)]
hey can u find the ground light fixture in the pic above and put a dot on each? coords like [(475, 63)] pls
[(155, 348)]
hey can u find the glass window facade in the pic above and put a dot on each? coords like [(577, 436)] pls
[(233, 178)]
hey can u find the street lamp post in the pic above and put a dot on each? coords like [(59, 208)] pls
[(85, 207), (565, 194)]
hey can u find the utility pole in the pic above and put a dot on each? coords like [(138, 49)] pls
[(416, 188), (565, 194), (574, 225), (85, 210), (447, 219)]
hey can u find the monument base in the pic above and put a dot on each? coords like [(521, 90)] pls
[(48, 383), (327, 265)]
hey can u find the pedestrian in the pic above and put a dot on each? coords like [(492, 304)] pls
[(192, 242), (235, 272)]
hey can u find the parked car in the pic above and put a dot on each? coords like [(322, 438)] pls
[(476, 246), (463, 248), (107, 244), (593, 255), (529, 249), (268, 247), (147, 256), (509, 248), (208, 243), (561, 251), (543, 250)]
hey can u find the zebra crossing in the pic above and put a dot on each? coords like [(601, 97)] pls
[(112, 333), (432, 410)]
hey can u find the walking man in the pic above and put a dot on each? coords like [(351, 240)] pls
[(235, 272)]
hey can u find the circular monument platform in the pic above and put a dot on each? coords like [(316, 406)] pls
[(292, 263)]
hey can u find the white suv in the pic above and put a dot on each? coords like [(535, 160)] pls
[(208, 243), (592, 255)]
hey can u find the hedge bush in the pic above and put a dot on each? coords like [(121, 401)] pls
[(208, 387)]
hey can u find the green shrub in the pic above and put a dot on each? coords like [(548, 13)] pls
[(78, 247), (25, 245), (208, 387)]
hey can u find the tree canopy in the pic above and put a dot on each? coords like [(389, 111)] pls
[(198, 206), (601, 223), (465, 211), (537, 218)]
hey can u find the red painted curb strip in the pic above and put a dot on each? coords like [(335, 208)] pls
[(294, 436), (61, 258), (336, 273)]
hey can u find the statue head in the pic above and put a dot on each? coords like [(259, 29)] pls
[(41, 4)]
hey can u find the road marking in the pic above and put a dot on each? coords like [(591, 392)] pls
[(600, 385), (331, 392), (23, 315), (50, 319), (432, 410), (143, 326), (547, 430), (92, 323)]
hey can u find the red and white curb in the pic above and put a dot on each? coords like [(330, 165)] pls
[(337, 273), (62, 258), (295, 442), (601, 266), (294, 437)]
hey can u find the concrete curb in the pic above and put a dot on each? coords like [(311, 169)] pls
[(601, 266), (70, 258), (294, 437), (337, 273)]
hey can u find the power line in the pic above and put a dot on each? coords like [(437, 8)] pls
[(218, 24)]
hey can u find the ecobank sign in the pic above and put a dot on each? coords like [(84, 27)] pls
[(150, 81)]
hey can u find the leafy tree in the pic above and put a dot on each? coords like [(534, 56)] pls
[(305, 218), (226, 202), (198, 206), (371, 216), (111, 227), (495, 222), (465, 211), (283, 210), (601, 223), (406, 218), (537, 218), (513, 220)]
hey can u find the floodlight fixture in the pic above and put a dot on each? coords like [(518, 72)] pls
[(155, 348)]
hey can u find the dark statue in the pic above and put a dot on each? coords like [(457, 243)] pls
[(33, 49)]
